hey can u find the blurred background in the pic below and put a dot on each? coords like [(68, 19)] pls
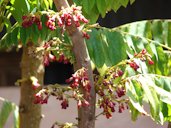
[(58, 72)]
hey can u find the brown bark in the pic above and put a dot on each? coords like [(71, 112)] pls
[(86, 115), (30, 113), (169, 125)]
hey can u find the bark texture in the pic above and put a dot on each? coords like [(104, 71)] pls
[(169, 125), (31, 65), (86, 115)]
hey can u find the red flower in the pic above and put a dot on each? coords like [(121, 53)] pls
[(150, 62), (134, 65)]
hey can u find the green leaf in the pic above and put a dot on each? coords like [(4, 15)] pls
[(116, 5), (86, 4), (108, 4), (35, 33), (157, 31), (124, 2), (16, 116), (98, 50), (134, 112), (23, 35), (6, 109), (93, 16), (50, 3), (135, 96), (132, 1), (116, 47), (151, 96), (101, 5), (21, 7), (44, 31)]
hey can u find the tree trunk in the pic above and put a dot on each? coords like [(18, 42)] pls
[(86, 115), (169, 125), (30, 113)]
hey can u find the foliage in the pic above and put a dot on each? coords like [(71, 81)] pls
[(93, 8), (133, 60), (108, 47), (6, 109)]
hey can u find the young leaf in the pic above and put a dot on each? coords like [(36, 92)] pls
[(6, 109), (16, 116), (135, 99), (152, 97)]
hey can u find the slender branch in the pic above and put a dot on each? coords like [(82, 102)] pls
[(99, 115), (10, 30)]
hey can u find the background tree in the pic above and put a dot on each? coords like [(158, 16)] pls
[(122, 56)]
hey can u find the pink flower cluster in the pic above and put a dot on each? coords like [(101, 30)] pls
[(30, 20)]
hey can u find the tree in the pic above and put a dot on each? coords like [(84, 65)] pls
[(131, 61)]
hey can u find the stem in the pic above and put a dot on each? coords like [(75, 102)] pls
[(30, 113), (169, 125), (86, 115)]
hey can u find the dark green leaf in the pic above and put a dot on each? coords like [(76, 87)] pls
[(35, 34), (101, 5), (14, 36), (23, 35), (115, 5)]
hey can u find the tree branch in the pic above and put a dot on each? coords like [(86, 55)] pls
[(86, 115)]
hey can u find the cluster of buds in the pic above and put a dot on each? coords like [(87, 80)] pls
[(143, 56), (134, 65), (65, 103), (55, 45), (110, 87), (30, 20), (120, 91), (109, 105), (67, 17), (48, 57), (63, 59), (85, 35), (35, 83), (111, 92), (70, 15), (109, 101), (50, 23), (79, 81), (53, 90), (41, 97)]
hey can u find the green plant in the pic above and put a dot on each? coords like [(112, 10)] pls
[(126, 57)]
